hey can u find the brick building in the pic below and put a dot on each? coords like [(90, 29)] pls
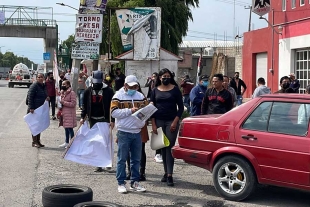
[(280, 49)]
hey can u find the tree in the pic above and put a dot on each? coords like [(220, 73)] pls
[(9, 59), (174, 26), (68, 42)]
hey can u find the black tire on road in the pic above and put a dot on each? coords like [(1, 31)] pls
[(96, 204), (65, 195), (247, 176)]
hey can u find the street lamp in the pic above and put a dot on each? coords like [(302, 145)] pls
[(62, 4), (280, 28)]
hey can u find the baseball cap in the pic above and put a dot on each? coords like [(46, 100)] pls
[(131, 80), (203, 78), (97, 76)]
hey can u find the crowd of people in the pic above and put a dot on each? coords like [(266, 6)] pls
[(100, 102)]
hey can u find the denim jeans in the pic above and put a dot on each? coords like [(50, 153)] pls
[(128, 143), (239, 100), (69, 132), (81, 96), (186, 102)]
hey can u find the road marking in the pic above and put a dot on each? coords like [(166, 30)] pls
[(20, 105)]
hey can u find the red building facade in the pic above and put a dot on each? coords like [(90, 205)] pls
[(277, 51)]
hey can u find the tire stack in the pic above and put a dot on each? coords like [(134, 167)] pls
[(67, 195)]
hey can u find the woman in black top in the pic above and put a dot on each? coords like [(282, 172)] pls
[(167, 98), (36, 97)]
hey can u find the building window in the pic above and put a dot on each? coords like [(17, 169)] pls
[(302, 2), (303, 68), (283, 5), (293, 4)]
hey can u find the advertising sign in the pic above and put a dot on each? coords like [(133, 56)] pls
[(92, 6), (85, 50), (46, 57), (261, 7), (88, 28), (2, 17), (145, 25)]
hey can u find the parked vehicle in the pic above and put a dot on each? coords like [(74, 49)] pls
[(264, 141), (20, 75)]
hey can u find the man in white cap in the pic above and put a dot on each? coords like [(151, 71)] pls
[(294, 83), (125, 102)]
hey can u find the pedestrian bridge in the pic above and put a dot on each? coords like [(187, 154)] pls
[(30, 22)]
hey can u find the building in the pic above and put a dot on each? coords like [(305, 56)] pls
[(190, 52), (280, 49)]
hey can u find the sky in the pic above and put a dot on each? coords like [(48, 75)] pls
[(212, 19)]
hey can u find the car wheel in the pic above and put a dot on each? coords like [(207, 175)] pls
[(96, 204), (65, 195), (234, 178)]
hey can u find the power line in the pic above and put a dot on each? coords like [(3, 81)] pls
[(210, 34), (237, 3)]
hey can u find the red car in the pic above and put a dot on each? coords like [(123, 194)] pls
[(263, 141)]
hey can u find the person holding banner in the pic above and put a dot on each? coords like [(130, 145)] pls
[(167, 98), (96, 103), (125, 102), (36, 97)]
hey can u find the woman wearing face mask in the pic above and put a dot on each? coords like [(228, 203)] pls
[(167, 98), (68, 101)]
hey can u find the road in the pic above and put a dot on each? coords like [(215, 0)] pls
[(25, 171)]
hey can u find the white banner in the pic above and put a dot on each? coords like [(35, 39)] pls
[(85, 50), (88, 28), (2, 17), (145, 25), (39, 120), (93, 146)]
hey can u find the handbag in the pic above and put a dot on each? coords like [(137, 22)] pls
[(159, 140)]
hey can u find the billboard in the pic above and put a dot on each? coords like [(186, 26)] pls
[(85, 50), (92, 6), (88, 28), (140, 29)]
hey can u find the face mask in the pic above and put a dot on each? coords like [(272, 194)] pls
[(131, 92), (62, 76), (205, 83), (286, 85), (97, 86), (64, 88), (51, 78), (165, 81)]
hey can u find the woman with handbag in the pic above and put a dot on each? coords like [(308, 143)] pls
[(36, 97), (167, 98), (68, 111)]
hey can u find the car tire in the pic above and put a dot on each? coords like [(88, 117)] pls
[(65, 195), (96, 204), (231, 184)]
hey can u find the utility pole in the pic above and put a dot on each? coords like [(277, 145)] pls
[(250, 18)]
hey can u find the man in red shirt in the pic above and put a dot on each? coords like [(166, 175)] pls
[(51, 92), (187, 86)]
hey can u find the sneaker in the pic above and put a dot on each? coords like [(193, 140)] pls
[(98, 169), (137, 187), (122, 188), (158, 158), (164, 179), (53, 117), (64, 145), (170, 181)]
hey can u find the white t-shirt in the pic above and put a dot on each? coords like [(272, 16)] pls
[(68, 77)]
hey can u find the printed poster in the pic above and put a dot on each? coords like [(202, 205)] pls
[(92, 6)]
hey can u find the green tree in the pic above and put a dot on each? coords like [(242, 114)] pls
[(68, 42), (9, 59), (174, 25)]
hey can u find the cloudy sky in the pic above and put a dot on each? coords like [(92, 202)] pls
[(212, 19)]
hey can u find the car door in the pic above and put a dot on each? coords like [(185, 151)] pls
[(278, 140)]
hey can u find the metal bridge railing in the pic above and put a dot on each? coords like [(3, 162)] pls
[(31, 22)]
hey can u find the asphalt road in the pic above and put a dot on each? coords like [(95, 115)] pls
[(25, 171)]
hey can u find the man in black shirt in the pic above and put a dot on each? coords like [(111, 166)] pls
[(217, 100), (119, 79), (236, 84), (97, 102)]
